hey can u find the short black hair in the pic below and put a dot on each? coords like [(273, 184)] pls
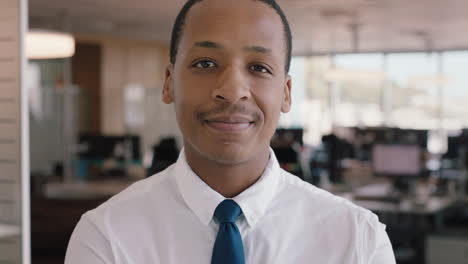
[(177, 30)]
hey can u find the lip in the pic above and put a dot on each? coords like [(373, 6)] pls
[(229, 123)]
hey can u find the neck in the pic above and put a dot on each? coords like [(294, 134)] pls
[(228, 179)]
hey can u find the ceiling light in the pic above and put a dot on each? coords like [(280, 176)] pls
[(49, 45), (429, 80)]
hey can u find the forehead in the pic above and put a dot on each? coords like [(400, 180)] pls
[(234, 23)]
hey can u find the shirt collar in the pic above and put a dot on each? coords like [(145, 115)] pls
[(203, 200)]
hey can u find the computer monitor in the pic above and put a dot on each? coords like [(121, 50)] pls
[(397, 160), (296, 134), (97, 147), (455, 146)]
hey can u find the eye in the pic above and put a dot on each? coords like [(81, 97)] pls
[(259, 68), (204, 64)]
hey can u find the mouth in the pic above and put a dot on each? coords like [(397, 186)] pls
[(229, 123)]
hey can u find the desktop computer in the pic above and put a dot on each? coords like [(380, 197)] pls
[(95, 146), (397, 160), (101, 156), (401, 163)]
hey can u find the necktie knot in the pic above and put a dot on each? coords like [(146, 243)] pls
[(227, 211)]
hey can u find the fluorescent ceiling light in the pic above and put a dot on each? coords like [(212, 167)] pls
[(429, 80), (49, 45), (354, 75)]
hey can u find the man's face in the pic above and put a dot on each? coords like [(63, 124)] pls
[(228, 82)]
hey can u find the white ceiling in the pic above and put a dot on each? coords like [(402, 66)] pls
[(319, 26)]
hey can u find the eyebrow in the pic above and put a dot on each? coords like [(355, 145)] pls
[(208, 44), (258, 49), (214, 45)]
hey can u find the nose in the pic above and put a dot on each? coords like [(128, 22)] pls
[(232, 85)]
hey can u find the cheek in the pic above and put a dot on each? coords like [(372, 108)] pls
[(184, 101), (192, 89), (269, 101), (188, 99)]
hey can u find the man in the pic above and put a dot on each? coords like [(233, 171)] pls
[(226, 200)]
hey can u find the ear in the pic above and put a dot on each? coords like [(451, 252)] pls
[(168, 89), (286, 104)]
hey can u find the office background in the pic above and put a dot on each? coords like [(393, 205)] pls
[(378, 115)]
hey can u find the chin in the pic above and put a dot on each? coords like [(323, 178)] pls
[(228, 154), (225, 153)]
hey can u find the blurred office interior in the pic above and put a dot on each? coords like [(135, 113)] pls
[(379, 115)]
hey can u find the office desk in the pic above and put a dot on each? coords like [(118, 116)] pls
[(408, 221), (65, 203), (85, 190), (435, 206), (408, 206)]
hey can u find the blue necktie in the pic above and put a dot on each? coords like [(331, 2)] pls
[(228, 247)]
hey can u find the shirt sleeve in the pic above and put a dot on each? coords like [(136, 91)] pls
[(88, 244), (383, 252), (377, 248)]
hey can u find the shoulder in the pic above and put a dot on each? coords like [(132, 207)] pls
[(313, 199), (332, 214), (135, 198)]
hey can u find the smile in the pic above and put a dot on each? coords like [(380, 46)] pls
[(229, 124)]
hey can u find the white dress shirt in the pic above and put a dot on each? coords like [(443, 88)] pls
[(168, 219)]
